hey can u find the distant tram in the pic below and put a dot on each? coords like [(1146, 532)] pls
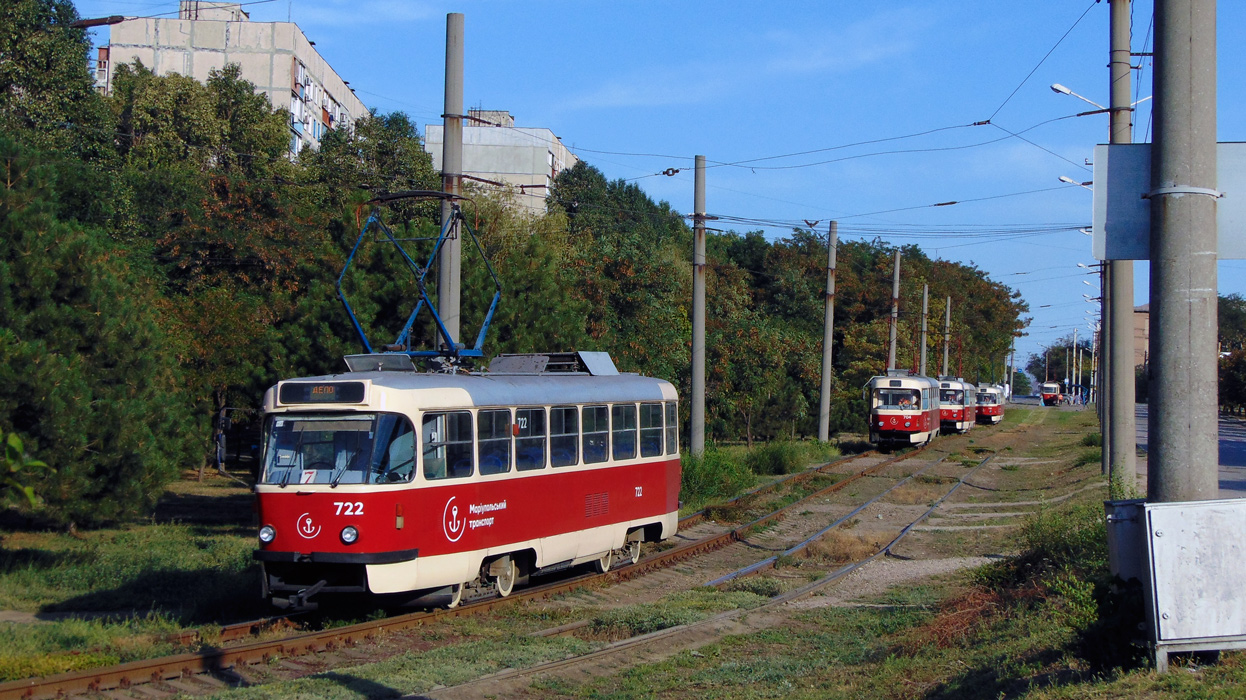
[(904, 408), (990, 404), (958, 402), (1050, 393), (427, 485)]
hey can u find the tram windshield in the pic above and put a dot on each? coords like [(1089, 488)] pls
[(986, 398), (897, 398), (952, 396), (354, 448)]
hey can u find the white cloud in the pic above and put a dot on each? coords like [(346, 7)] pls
[(747, 62)]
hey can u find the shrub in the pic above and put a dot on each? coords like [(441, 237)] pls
[(1093, 456), (712, 475), (757, 585), (775, 458), (1092, 440)]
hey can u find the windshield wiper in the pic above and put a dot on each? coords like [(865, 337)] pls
[(339, 473), (298, 447)]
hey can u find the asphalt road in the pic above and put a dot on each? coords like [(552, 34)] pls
[(1232, 452)]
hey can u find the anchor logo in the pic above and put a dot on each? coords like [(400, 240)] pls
[(451, 522), (306, 528)]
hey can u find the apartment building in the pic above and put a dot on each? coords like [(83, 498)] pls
[(275, 56), (523, 160)]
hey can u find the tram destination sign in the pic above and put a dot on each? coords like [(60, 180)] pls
[(1122, 212), (321, 392)]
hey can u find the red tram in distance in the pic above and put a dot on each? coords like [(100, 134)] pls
[(904, 408), (990, 404), (420, 485), (1050, 393), (958, 405)]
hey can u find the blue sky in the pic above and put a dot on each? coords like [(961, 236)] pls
[(636, 88)]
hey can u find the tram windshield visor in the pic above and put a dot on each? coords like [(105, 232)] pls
[(354, 448), (897, 398)]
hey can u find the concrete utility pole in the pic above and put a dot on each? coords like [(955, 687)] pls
[(449, 259), (1183, 438), (1012, 367), (1122, 465), (1094, 366), (824, 405), (1105, 368), (947, 334), (698, 309), (925, 327), (895, 312), (1077, 377)]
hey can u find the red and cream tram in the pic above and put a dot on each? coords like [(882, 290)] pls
[(990, 403), (957, 404), (391, 481), (904, 408), (1050, 393)]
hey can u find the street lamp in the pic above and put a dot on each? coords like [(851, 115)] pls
[(1057, 87), (1070, 181)]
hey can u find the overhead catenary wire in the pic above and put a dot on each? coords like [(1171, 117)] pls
[(1043, 60)]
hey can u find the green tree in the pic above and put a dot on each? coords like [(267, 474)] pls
[(1231, 316), (1021, 384), (86, 379)]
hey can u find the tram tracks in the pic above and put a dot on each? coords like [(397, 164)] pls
[(722, 621), (215, 663)]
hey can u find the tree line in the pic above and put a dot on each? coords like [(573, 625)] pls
[(162, 257)]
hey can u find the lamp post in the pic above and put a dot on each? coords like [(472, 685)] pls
[(1117, 414)]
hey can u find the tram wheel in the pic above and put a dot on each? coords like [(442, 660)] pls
[(506, 579), (603, 565), (456, 595), (633, 551)]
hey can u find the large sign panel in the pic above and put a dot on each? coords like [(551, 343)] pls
[(1122, 213)]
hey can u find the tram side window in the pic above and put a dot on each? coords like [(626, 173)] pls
[(530, 439), (624, 430), (672, 427), (494, 431), (925, 399), (447, 445), (564, 436), (650, 429), (596, 424), (394, 459)]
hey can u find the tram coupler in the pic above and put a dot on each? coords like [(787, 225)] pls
[(300, 600)]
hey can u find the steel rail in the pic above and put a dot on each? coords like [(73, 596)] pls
[(219, 660)]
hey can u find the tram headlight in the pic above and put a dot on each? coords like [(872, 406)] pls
[(349, 534), (267, 534)]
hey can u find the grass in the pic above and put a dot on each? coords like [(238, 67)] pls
[(677, 609), (418, 672), (122, 594), (1041, 625), (839, 547), (722, 473), (70, 645)]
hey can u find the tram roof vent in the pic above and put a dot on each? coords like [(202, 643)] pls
[(899, 373), (594, 363)]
